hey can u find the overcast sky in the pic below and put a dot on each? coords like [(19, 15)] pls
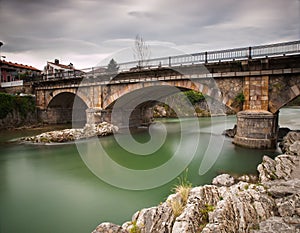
[(85, 32)]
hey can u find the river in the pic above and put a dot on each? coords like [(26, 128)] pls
[(49, 188)]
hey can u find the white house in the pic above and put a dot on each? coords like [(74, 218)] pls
[(55, 70)]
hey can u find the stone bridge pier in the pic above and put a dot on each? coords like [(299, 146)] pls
[(256, 129), (256, 126), (140, 116)]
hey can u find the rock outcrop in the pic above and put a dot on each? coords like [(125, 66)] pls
[(67, 135), (230, 132), (109, 228), (291, 143), (279, 168), (271, 205), (223, 180)]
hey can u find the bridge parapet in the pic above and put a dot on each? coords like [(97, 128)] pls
[(174, 62)]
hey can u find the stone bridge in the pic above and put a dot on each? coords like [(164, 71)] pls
[(267, 84)]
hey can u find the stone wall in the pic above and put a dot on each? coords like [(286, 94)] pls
[(25, 89), (282, 90), (16, 119), (55, 116), (230, 88), (16, 111)]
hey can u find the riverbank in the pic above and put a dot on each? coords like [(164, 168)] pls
[(16, 111), (230, 205)]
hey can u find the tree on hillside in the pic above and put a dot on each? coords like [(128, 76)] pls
[(112, 66), (141, 51)]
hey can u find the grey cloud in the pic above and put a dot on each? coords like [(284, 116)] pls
[(140, 14), (104, 26)]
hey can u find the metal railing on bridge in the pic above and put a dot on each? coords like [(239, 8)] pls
[(270, 50)]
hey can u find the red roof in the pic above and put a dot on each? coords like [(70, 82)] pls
[(69, 67), (16, 65), (61, 65)]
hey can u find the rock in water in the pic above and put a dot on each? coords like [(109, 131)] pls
[(67, 135), (230, 132)]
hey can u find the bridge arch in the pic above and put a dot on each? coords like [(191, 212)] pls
[(206, 89), (282, 91), (78, 92), (133, 104), (66, 107)]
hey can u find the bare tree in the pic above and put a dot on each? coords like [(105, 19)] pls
[(141, 51)]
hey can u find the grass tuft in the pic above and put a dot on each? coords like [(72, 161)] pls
[(177, 207), (183, 187), (134, 228)]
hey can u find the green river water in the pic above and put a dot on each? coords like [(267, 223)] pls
[(49, 188)]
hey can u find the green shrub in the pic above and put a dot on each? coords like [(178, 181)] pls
[(22, 104), (194, 97), (134, 228), (208, 208), (240, 98), (6, 104)]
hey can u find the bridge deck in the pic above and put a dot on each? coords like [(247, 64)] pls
[(254, 67)]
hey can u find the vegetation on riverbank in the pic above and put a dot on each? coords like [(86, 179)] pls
[(17, 111), (22, 104), (179, 105), (295, 102)]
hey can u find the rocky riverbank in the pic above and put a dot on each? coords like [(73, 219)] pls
[(67, 135), (231, 205)]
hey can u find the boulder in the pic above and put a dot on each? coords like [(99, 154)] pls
[(295, 148), (279, 168), (223, 180), (109, 228), (282, 188), (248, 178), (288, 141), (275, 225), (230, 132), (282, 132), (157, 219)]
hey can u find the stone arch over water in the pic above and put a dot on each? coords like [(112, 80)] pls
[(140, 98), (67, 107), (207, 89)]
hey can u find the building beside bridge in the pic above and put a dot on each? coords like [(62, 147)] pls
[(54, 70), (14, 74)]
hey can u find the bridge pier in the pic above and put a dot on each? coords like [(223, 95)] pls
[(55, 115), (256, 129), (122, 117), (94, 115)]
